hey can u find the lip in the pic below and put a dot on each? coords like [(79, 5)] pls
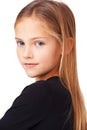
[(30, 64)]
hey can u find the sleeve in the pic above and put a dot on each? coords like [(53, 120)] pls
[(28, 109)]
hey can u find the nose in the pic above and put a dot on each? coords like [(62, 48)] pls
[(27, 52)]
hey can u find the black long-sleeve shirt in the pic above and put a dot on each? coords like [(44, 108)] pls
[(43, 105)]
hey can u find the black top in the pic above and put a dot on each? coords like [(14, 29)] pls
[(43, 105)]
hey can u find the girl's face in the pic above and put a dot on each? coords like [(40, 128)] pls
[(37, 50)]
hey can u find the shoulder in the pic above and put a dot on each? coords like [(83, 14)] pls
[(57, 88), (45, 94), (33, 95), (36, 91), (59, 93), (35, 87), (52, 87)]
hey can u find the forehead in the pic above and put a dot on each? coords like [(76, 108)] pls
[(32, 24)]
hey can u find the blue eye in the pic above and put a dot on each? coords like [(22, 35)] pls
[(20, 43), (39, 43)]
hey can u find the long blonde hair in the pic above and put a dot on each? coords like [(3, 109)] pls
[(61, 19)]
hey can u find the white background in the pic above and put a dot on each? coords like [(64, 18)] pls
[(12, 77)]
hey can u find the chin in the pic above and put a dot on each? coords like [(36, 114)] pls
[(31, 75)]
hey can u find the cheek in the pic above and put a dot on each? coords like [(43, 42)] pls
[(49, 57), (19, 54), (17, 51), (54, 58)]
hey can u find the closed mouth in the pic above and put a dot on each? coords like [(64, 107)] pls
[(30, 64)]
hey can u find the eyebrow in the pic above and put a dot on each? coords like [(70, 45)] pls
[(34, 38), (18, 38)]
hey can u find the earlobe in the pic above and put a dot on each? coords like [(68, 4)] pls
[(69, 45)]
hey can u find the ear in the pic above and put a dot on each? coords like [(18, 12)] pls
[(69, 45)]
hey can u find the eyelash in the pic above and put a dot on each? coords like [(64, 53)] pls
[(37, 43), (20, 43)]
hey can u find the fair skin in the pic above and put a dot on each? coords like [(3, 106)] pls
[(38, 51)]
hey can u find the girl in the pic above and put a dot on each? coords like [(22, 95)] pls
[(45, 35)]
